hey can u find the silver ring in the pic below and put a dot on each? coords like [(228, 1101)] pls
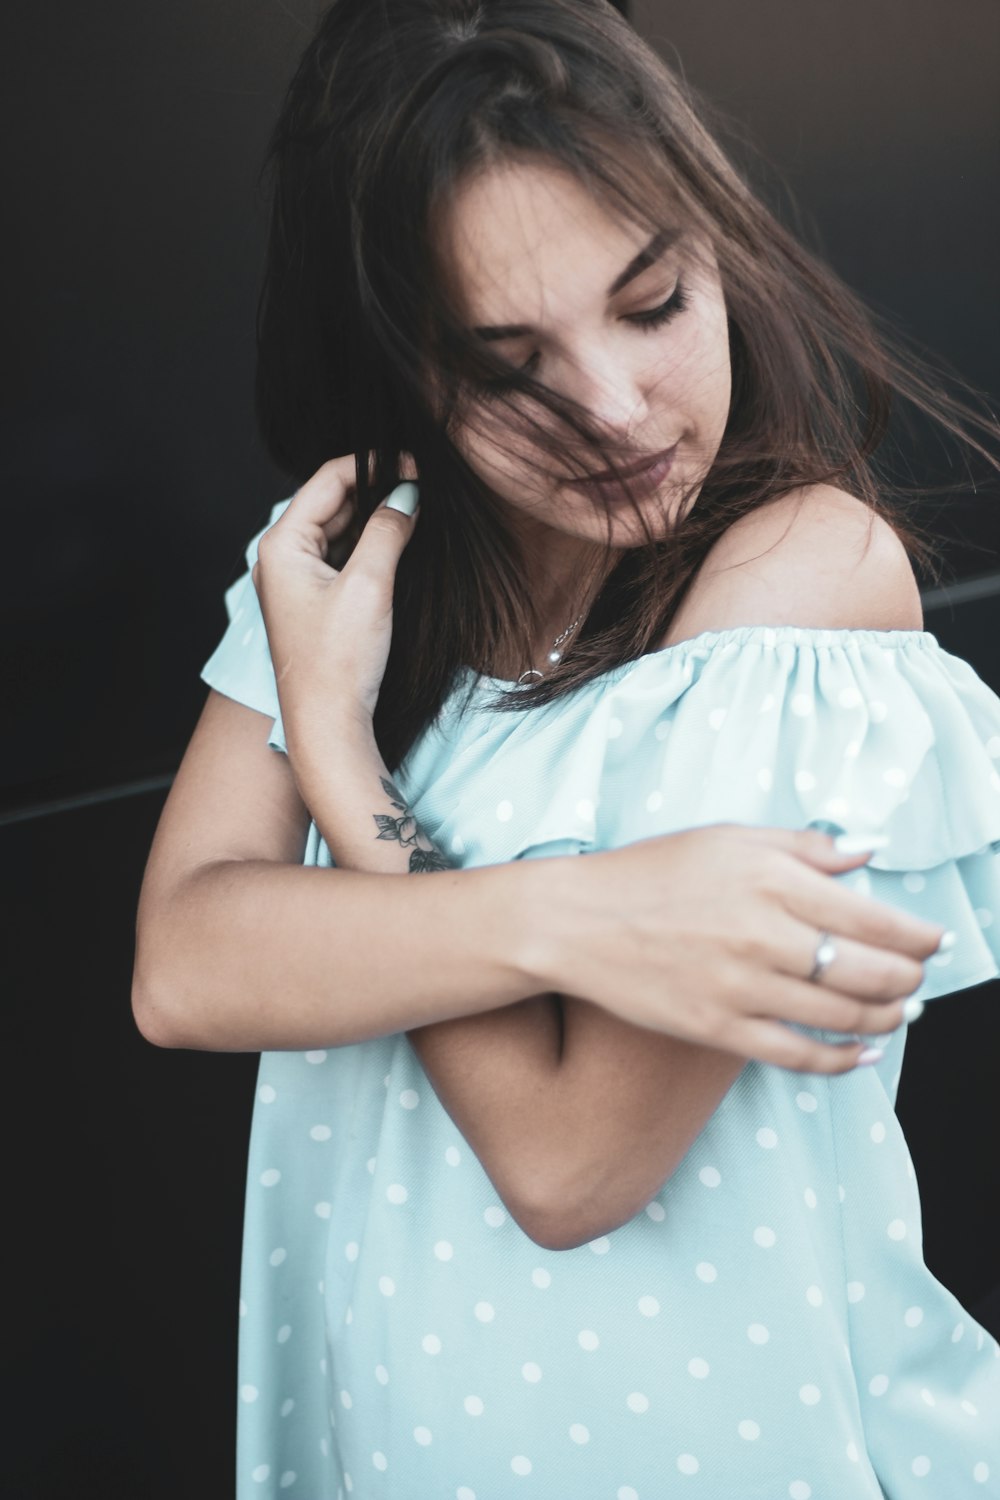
[(825, 954)]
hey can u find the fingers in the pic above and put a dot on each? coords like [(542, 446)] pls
[(384, 537), (771, 1042), (836, 1009), (322, 505)]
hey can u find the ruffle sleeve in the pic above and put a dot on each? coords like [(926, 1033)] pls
[(240, 666), (864, 732)]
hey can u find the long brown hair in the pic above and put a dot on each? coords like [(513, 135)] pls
[(393, 103)]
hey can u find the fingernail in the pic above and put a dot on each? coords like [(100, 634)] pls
[(913, 1009), (404, 498), (856, 843), (948, 940), (868, 1056)]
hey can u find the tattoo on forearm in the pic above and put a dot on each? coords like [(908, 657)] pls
[(406, 832)]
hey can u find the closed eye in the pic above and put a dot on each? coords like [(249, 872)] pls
[(655, 317)]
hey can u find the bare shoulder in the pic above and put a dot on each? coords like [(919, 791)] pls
[(816, 557)]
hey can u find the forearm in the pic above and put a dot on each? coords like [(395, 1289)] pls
[(578, 1117)]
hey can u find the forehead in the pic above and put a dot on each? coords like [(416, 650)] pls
[(527, 243)]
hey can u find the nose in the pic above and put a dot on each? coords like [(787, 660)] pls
[(611, 389)]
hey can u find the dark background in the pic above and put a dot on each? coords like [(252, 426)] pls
[(132, 481)]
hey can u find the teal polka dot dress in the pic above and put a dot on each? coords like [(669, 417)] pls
[(766, 1327)]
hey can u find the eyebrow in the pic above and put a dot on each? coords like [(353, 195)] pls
[(647, 256)]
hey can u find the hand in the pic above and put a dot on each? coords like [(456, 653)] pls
[(709, 935), (328, 632)]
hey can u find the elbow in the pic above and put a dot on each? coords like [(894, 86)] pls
[(573, 1204), (153, 1019)]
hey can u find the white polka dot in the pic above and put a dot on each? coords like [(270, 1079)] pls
[(322, 1210), (894, 776), (423, 1436), (587, 1339), (981, 1473), (287, 1407), (351, 1250), (443, 1250), (396, 1193), (270, 1177), (927, 1397), (848, 697), (801, 705), (855, 1291), (878, 1385), (278, 1256), (662, 729), (380, 1461), (541, 1278), (967, 1406), (320, 1132), (387, 1286), (717, 718), (814, 1296), (809, 1198), (764, 1236), (579, 1433), (430, 1343), (807, 1102), (243, 1308), (654, 801), (853, 1456), (705, 1271), (852, 749), (452, 1156), (896, 1230), (710, 1177), (805, 781), (765, 779), (585, 810), (809, 1394), (457, 844), (687, 1463), (766, 703), (984, 916), (520, 1464), (531, 1372), (284, 1333), (494, 1216), (345, 1400), (464, 1493), (957, 1332), (474, 1406), (262, 1472), (266, 1094), (614, 728), (767, 1138), (913, 883), (748, 1430), (409, 1098), (877, 1132), (757, 1333), (249, 1393), (656, 1212), (600, 1246), (370, 1164), (626, 1492), (921, 1465), (699, 1368), (381, 1374), (505, 811), (648, 1306), (877, 710), (837, 807), (349, 1315), (769, 637), (799, 1490), (485, 1312), (913, 1317), (316, 1057)]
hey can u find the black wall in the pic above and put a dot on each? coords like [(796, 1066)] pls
[(132, 479)]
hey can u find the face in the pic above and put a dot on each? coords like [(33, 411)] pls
[(632, 330)]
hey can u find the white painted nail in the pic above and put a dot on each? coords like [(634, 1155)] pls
[(857, 843), (913, 1009), (869, 1055), (404, 498), (948, 940)]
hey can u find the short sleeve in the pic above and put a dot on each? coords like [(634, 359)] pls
[(240, 666)]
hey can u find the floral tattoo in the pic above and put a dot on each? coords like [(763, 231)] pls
[(405, 831)]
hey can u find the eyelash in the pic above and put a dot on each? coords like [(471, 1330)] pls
[(649, 320)]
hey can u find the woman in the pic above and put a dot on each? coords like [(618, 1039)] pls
[(539, 1199)]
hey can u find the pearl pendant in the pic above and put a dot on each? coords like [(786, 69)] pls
[(555, 656)]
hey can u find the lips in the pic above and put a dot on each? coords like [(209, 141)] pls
[(632, 480)]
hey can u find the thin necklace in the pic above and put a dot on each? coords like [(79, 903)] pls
[(554, 654)]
